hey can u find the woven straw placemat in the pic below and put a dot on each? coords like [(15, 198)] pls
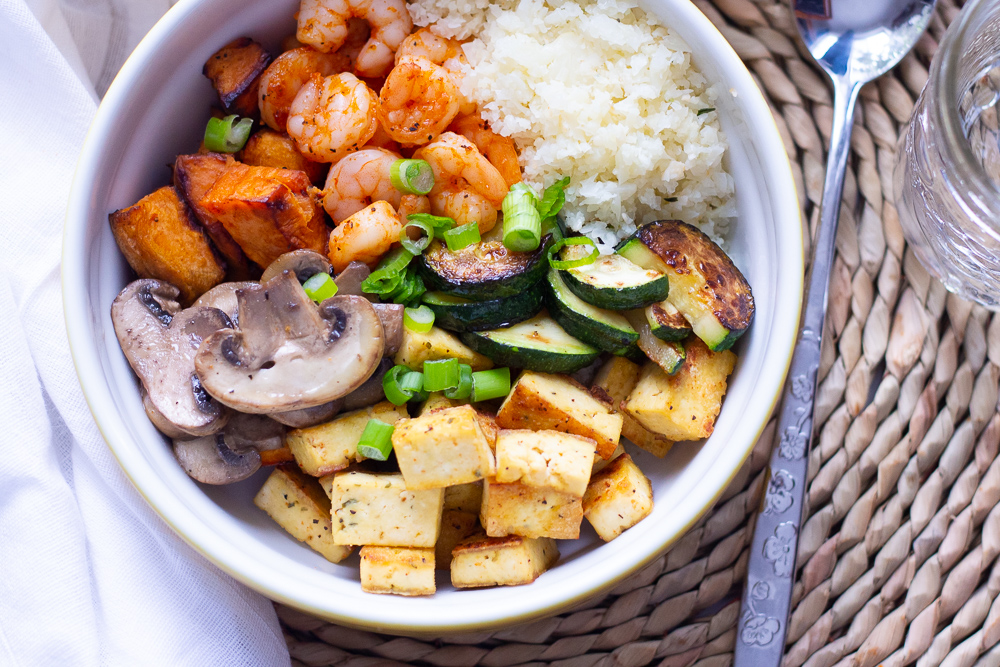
[(898, 558)]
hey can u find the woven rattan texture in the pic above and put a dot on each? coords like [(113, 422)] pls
[(898, 559)]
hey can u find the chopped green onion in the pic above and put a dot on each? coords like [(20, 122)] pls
[(320, 287), (386, 278), (410, 288), (441, 374), (222, 136), (490, 384), (464, 388), (440, 223), (706, 110), (463, 236), (414, 177), (577, 261), (521, 186), (418, 319), (376, 440), (412, 383), (396, 391), (553, 198), (419, 240), (522, 224)]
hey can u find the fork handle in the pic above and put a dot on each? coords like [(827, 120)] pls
[(767, 593)]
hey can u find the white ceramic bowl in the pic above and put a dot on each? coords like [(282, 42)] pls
[(157, 107)]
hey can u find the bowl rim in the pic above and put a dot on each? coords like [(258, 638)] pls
[(194, 530)]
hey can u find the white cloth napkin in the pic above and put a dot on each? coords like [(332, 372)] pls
[(89, 574)]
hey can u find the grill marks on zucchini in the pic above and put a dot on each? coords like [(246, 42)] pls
[(483, 271), (706, 287), (604, 329), (457, 314), (613, 282), (666, 322), (538, 344)]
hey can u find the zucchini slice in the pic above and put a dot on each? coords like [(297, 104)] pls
[(667, 355), (706, 287), (457, 314), (603, 329), (613, 282), (666, 322), (538, 344), (484, 270)]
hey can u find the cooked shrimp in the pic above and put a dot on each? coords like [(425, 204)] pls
[(381, 139), (324, 25), (412, 204), (499, 150), (440, 51), (365, 236), (453, 157), (463, 205), (418, 101), (331, 117), (283, 78), (358, 180)]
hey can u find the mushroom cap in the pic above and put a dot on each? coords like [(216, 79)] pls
[(210, 460), (290, 354), (349, 280), (303, 263), (246, 431), (371, 392), (223, 297), (160, 342), (309, 416), (161, 423), (391, 317)]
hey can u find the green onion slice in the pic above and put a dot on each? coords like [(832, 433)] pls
[(416, 236), (441, 374), (419, 319), (463, 236), (439, 223), (223, 136), (320, 287), (386, 278), (577, 261), (414, 177), (399, 387), (522, 224), (490, 384), (553, 198), (376, 440), (464, 388)]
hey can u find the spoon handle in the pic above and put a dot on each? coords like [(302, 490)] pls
[(770, 574)]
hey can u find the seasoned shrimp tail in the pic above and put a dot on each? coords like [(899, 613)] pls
[(499, 150), (323, 24), (282, 80), (365, 236), (418, 101), (332, 117), (358, 180)]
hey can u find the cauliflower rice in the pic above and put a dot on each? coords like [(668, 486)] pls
[(596, 90)]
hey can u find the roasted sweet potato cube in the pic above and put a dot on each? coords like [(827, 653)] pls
[(194, 176), (267, 211), (235, 71), (161, 239), (267, 148)]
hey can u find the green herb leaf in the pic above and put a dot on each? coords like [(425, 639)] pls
[(553, 198), (706, 110)]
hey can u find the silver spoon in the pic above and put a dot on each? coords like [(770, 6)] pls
[(854, 41)]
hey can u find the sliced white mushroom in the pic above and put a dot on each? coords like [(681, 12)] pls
[(303, 263), (391, 317), (223, 297), (160, 342), (210, 460), (310, 416), (290, 354), (161, 423), (246, 431), (349, 280), (371, 391)]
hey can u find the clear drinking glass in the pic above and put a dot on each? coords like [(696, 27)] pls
[(947, 175)]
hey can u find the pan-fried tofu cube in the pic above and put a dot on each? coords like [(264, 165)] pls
[(267, 148), (464, 497), (501, 561), (397, 570), (683, 406), (614, 382), (443, 448), (326, 448), (545, 459), (194, 176), (540, 401), (297, 502), (377, 509), (161, 239), (601, 464), (455, 527), (519, 509), (273, 457), (234, 71), (437, 344), (267, 211), (618, 497)]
